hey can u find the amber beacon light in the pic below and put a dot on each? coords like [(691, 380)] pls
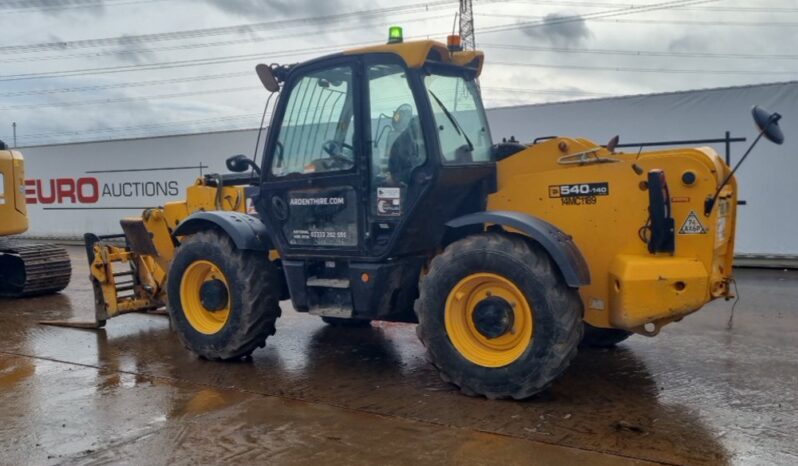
[(453, 43)]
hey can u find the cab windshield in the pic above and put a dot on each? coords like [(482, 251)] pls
[(460, 119)]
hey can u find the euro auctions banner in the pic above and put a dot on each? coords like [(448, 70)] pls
[(72, 189), (88, 190)]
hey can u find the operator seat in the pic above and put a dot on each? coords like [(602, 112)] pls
[(404, 153)]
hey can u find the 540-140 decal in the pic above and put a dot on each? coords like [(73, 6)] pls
[(579, 193)]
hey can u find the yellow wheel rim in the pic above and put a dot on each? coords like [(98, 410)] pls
[(202, 319), (464, 334)]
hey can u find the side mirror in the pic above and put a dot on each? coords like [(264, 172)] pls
[(267, 77), (613, 144), (240, 163), (768, 124)]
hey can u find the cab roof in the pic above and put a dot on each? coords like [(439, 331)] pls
[(416, 53)]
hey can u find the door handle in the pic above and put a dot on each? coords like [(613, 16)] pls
[(280, 208), (422, 178)]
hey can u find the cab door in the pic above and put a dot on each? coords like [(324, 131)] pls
[(400, 167), (314, 169)]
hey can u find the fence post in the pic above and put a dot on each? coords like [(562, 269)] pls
[(728, 148)]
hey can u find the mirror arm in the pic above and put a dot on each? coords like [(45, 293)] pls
[(260, 128), (710, 202)]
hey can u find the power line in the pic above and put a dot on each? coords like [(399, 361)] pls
[(642, 70), (590, 4), (103, 87), (150, 50), (173, 95), (714, 22), (642, 53), (261, 38), (703, 23), (27, 6), (142, 127), (129, 68), (224, 60), (81, 103), (217, 31), (601, 14), (177, 64), (576, 92)]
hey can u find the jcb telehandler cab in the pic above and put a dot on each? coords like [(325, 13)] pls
[(380, 196)]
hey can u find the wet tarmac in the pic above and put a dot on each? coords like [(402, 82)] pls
[(699, 393)]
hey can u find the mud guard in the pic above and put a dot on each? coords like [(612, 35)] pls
[(557, 243), (247, 232)]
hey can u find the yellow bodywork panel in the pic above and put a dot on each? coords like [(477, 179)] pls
[(644, 290), (629, 286), (416, 53), (13, 212)]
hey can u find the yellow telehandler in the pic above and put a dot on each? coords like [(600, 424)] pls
[(26, 269), (381, 196)]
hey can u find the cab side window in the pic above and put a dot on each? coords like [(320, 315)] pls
[(398, 143), (317, 131)]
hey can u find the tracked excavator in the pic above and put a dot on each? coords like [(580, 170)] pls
[(380, 195), (26, 268)]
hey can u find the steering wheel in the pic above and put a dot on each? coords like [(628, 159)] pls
[(335, 150)]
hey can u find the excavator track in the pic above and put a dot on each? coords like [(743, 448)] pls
[(30, 269)]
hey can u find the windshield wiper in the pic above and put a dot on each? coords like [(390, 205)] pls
[(451, 118)]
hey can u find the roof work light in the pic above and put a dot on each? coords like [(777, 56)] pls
[(395, 35), (453, 43)]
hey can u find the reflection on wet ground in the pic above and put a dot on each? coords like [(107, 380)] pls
[(697, 394)]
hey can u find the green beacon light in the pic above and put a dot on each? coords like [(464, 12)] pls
[(395, 35)]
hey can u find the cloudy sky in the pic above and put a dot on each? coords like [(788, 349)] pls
[(76, 70)]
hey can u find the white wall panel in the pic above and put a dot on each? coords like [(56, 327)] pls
[(114, 179)]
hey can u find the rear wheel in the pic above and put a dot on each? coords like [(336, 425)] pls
[(223, 302), (596, 337), (344, 322), (497, 317)]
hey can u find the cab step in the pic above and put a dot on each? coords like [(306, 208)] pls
[(343, 312), (338, 283)]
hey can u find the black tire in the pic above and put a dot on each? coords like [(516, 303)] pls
[(346, 322), (595, 337), (557, 315), (254, 290)]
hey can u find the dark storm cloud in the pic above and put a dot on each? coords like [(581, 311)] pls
[(560, 30)]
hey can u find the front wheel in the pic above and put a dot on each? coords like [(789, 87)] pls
[(496, 316), (223, 302)]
